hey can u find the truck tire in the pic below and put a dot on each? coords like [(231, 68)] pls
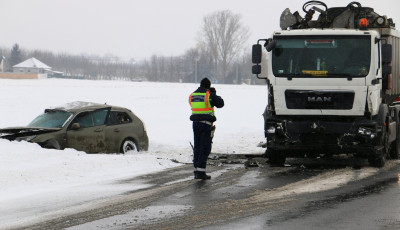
[(378, 158), (275, 157), (395, 150), (395, 147)]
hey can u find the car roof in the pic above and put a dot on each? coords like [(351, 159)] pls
[(78, 106)]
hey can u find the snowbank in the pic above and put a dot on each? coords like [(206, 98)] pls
[(27, 170)]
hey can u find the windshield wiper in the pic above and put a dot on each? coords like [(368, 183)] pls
[(347, 75), (293, 75), (296, 75)]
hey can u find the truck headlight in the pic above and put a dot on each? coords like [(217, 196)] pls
[(271, 129), (366, 132)]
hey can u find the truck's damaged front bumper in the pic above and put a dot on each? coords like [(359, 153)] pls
[(297, 137)]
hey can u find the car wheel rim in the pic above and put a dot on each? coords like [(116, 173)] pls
[(129, 146)]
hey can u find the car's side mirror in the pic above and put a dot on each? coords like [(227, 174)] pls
[(75, 126)]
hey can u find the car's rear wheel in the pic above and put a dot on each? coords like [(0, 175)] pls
[(128, 145)]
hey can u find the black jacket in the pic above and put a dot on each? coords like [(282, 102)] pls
[(215, 101)]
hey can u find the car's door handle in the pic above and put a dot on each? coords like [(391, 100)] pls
[(98, 130), (116, 130)]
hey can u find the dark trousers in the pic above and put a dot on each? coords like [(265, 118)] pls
[(202, 145)]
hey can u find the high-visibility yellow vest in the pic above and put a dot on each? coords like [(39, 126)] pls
[(200, 103)]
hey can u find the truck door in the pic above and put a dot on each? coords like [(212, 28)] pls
[(89, 136)]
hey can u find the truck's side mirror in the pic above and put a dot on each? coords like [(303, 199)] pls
[(386, 66), (271, 45), (256, 58), (256, 54), (386, 69), (256, 69), (386, 53), (387, 82)]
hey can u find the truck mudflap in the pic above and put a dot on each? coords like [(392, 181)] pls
[(298, 138)]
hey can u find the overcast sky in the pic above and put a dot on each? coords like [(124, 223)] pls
[(140, 28)]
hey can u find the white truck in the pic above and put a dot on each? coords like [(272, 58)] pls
[(333, 84)]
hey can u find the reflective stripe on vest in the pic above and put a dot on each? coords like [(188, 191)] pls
[(200, 103)]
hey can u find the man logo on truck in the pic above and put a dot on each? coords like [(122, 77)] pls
[(319, 99)]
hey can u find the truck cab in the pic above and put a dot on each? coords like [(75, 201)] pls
[(331, 88)]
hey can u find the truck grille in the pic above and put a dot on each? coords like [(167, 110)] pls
[(312, 99)]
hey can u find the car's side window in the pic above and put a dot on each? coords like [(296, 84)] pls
[(84, 119), (90, 119), (112, 118), (117, 117), (99, 116)]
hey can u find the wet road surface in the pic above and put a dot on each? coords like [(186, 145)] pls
[(303, 195)]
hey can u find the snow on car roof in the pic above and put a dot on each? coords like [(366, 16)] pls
[(79, 105)]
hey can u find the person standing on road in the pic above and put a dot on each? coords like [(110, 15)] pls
[(202, 102)]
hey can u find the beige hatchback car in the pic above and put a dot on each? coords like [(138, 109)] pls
[(84, 126)]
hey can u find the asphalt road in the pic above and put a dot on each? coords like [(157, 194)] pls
[(305, 194)]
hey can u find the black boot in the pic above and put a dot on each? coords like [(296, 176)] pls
[(202, 176)]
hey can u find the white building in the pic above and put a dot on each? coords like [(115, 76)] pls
[(32, 66)]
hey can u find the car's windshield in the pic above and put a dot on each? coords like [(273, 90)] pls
[(51, 119), (321, 56)]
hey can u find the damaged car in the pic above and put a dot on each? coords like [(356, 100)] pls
[(84, 126)]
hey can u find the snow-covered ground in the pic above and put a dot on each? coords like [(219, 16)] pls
[(31, 177)]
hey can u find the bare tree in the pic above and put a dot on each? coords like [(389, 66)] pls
[(217, 56), (224, 36)]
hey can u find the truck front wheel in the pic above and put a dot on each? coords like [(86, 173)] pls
[(378, 159), (275, 157)]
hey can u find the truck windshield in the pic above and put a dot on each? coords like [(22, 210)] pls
[(51, 119), (321, 56)]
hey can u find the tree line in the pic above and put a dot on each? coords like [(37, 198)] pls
[(219, 55)]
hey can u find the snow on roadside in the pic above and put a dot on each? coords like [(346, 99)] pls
[(26, 169)]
